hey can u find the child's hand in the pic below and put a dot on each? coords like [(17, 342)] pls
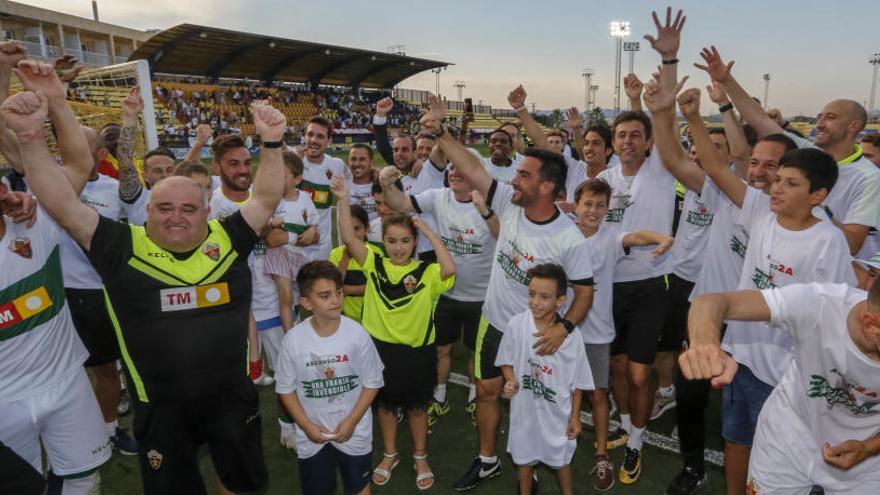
[(510, 389), (663, 247), (276, 222), (339, 188), (344, 430), (317, 434), (574, 427)]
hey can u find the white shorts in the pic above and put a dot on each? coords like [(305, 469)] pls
[(66, 418), (270, 341), (787, 460)]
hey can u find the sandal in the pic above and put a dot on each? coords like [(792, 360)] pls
[(385, 473), (420, 477)]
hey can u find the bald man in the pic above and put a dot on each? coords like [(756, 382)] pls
[(178, 290), (825, 413)]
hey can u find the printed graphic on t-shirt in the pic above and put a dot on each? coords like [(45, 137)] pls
[(854, 398), (327, 385), (738, 246), (615, 215), (510, 262), (701, 217), (533, 382), (461, 241), (763, 280)]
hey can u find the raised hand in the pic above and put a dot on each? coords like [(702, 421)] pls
[(204, 132), (479, 202), (668, 35), (339, 188), (717, 94), (388, 175), (689, 102), (432, 117), (132, 105), (574, 118), (517, 98), (25, 113), (776, 115), (40, 77), (67, 68), (269, 122), (715, 67), (659, 99), (384, 106), (633, 86), (11, 53)]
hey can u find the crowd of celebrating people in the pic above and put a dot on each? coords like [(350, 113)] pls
[(645, 273)]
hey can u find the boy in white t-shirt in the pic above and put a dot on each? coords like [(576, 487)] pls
[(607, 245), (819, 426), (294, 226), (327, 376), (545, 415)]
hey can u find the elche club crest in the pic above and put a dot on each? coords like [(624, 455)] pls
[(22, 247), (329, 174), (155, 459), (410, 283), (211, 250)]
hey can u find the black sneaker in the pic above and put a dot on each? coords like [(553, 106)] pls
[(123, 442), (688, 481), (631, 469), (478, 472)]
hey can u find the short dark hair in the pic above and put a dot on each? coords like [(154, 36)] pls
[(293, 163), (362, 146), (511, 124), (502, 131), (594, 186), (819, 168), (717, 130), (359, 213), (604, 132), (553, 167), (321, 121), (159, 151), (550, 271), (555, 132), (224, 144), (781, 139), (190, 168), (313, 271), (630, 116)]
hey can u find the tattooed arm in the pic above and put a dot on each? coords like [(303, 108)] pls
[(129, 183)]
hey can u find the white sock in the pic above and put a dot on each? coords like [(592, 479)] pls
[(489, 460), (111, 427), (667, 391), (635, 438), (472, 392), (79, 486), (440, 392), (626, 422)]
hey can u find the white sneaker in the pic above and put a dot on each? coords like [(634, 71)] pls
[(264, 380), (288, 435)]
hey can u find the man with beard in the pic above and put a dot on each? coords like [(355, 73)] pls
[(360, 186), (231, 161), (318, 168), (853, 200), (499, 164)]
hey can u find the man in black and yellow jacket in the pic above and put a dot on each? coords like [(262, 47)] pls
[(178, 291)]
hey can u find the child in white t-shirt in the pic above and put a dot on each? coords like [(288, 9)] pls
[(327, 377), (545, 390), (294, 226)]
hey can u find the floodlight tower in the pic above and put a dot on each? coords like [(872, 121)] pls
[(631, 47), (766, 90), (437, 72), (459, 85), (588, 81), (619, 30), (593, 90), (875, 61)]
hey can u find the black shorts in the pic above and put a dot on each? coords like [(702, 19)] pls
[(169, 435), (452, 318), (92, 322), (317, 474), (17, 475), (410, 375), (488, 342), (639, 309), (677, 306)]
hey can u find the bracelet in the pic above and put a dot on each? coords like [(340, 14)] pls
[(273, 144), (725, 108), (515, 110), (488, 215), (671, 61)]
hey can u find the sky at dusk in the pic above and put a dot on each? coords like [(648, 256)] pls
[(814, 51)]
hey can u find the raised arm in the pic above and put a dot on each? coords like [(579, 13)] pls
[(632, 85), (130, 186), (517, 100), (444, 259), (576, 125), (465, 161), (488, 215), (396, 199), (750, 109), (354, 246), (204, 132), (740, 151), (11, 52), (76, 157), (704, 358), (380, 131), (268, 183), (24, 113), (666, 44), (661, 102)]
